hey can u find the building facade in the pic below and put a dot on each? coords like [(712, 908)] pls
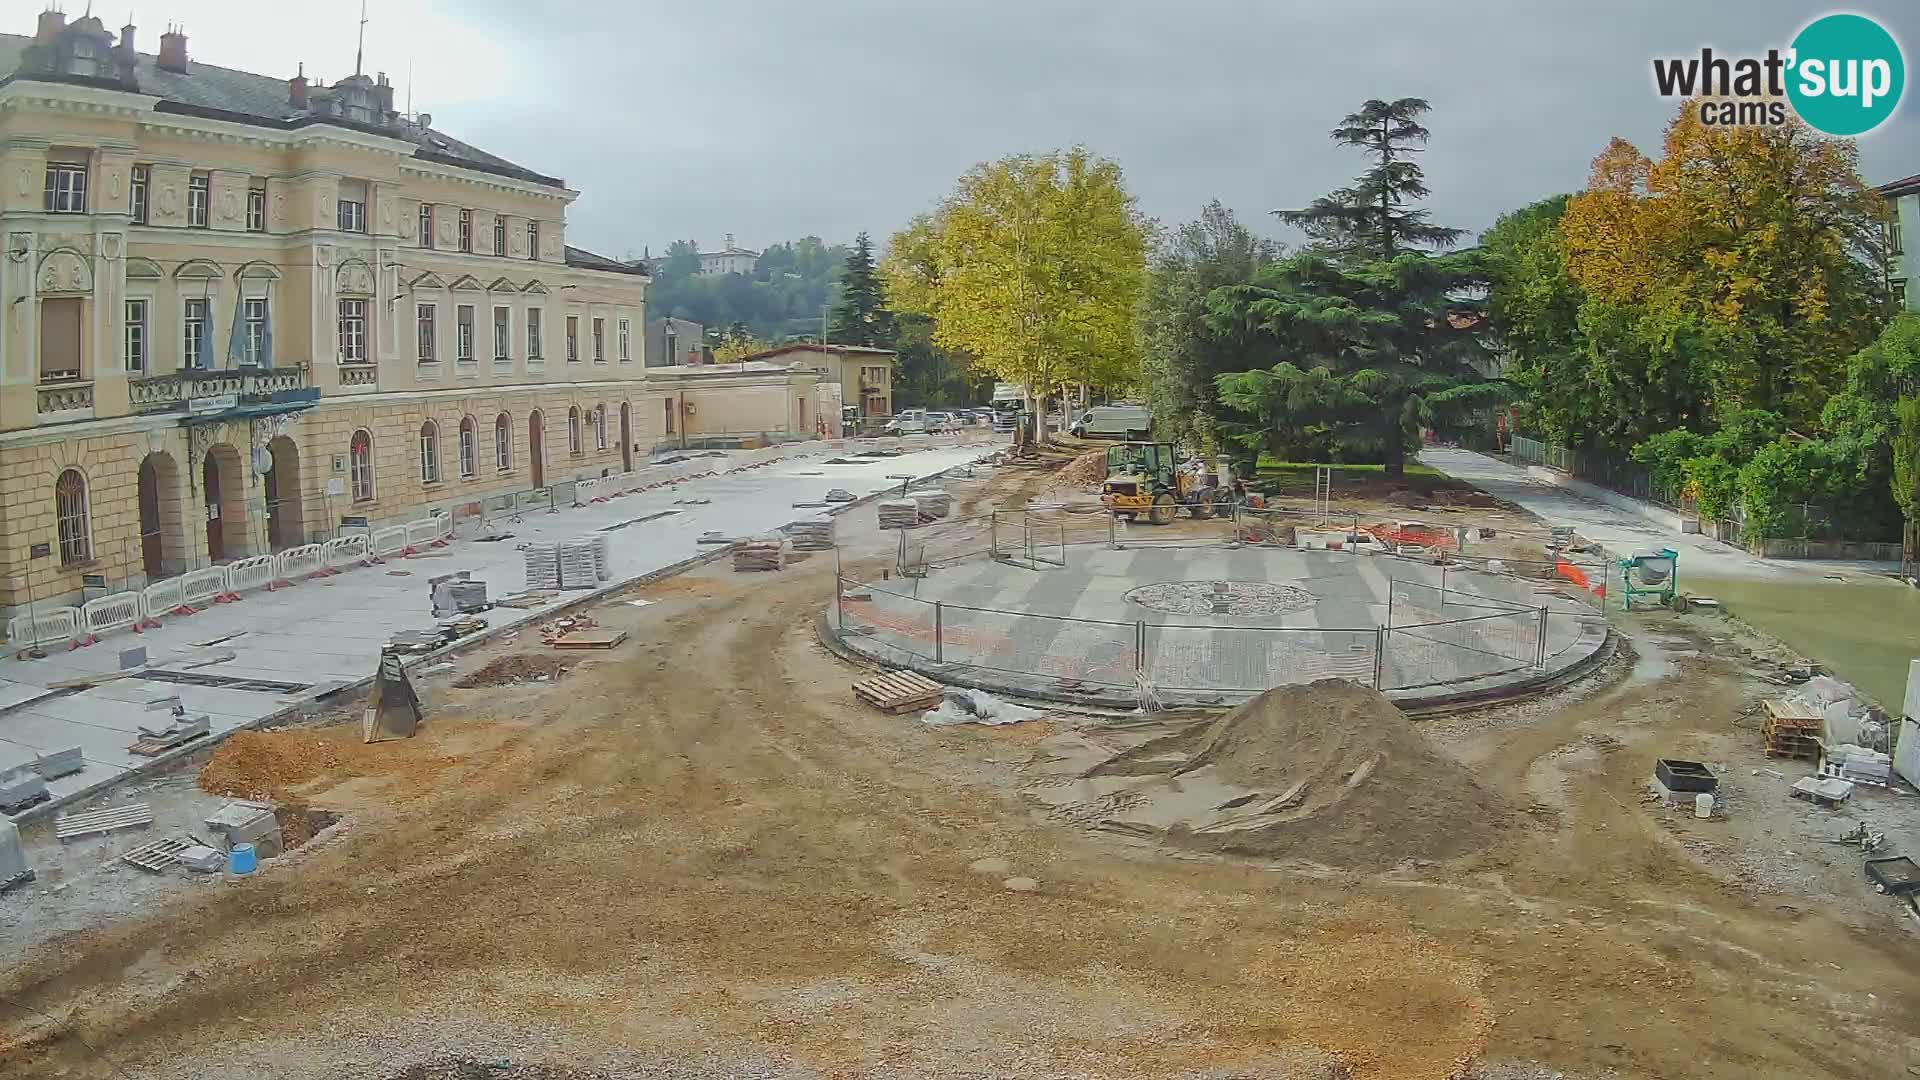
[(730, 259), (242, 313), (676, 343), (864, 375), (740, 404), (1903, 238)]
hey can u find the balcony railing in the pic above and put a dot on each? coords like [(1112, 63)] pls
[(359, 375), (66, 398), (179, 389)]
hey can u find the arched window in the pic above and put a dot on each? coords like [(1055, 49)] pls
[(429, 453), (503, 442), (468, 452), (600, 426), (70, 518), (360, 464), (573, 430)]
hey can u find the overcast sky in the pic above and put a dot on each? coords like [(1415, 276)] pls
[(773, 119)]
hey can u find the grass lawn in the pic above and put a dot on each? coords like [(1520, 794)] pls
[(1296, 477)]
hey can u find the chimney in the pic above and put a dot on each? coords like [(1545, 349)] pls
[(173, 51), (126, 38), (384, 90), (297, 89), (51, 23)]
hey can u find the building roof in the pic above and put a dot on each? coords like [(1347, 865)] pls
[(222, 93), (1908, 186), (841, 350), (582, 259)]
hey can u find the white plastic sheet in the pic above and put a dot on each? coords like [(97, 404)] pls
[(977, 707)]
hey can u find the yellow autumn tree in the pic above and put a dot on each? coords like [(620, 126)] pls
[(1762, 242), (1034, 265)]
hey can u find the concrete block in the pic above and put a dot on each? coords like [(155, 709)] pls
[(13, 858)]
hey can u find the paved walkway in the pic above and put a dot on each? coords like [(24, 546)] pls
[(1623, 532), (326, 632)]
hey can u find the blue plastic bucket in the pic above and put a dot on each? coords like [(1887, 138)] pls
[(241, 861)]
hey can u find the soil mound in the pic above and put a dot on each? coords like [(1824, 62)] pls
[(1088, 470), (267, 764), (1331, 773)]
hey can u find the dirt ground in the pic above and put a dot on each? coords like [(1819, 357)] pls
[(698, 855)]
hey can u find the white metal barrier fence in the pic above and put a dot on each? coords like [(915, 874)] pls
[(105, 614), (46, 626)]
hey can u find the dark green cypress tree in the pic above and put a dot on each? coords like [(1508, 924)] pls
[(1373, 218), (860, 315)]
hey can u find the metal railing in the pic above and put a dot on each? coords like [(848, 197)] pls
[(1439, 625)]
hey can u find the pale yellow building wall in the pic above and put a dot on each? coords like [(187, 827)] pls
[(108, 421)]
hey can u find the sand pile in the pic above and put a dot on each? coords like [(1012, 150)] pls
[(1086, 471), (1330, 772), (267, 764)]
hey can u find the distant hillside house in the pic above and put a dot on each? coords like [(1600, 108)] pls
[(728, 260)]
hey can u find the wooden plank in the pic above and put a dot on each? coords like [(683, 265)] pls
[(590, 639)]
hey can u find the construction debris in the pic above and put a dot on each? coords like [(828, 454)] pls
[(838, 495), (758, 554), (899, 514), (976, 707), (176, 730), (590, 639), (201, 859), (100, 822)]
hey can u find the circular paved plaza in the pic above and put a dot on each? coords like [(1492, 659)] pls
[(1212, 624)]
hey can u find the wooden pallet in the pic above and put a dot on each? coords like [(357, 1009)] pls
[(95, 822), (156, 856), (899, 691), (149, 746)]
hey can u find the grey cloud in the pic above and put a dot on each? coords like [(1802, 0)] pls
[(771, 120)]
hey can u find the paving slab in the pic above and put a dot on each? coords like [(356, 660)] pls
[(327, 631)]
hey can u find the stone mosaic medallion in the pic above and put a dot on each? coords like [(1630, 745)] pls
[(1222, 598)]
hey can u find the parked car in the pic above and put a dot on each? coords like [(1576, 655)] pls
[(908, 422)]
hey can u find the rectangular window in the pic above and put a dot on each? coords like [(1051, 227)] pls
[(429, 454), (533, 334), (626, 342), (502, 342), (426, 225), (199, 194), (502, 444), (466, 448), (500, 236), (193, 335), (668, 403), (599, 341), (66, 191), (60, 337), (353, 331), (1896, 244), (352, 215), (137, 192), (1899, 296), (253, 318), (573, 338), (464, 344), (257, 209), (423, 332), (136, 335), (533, 240), (466, 230)]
